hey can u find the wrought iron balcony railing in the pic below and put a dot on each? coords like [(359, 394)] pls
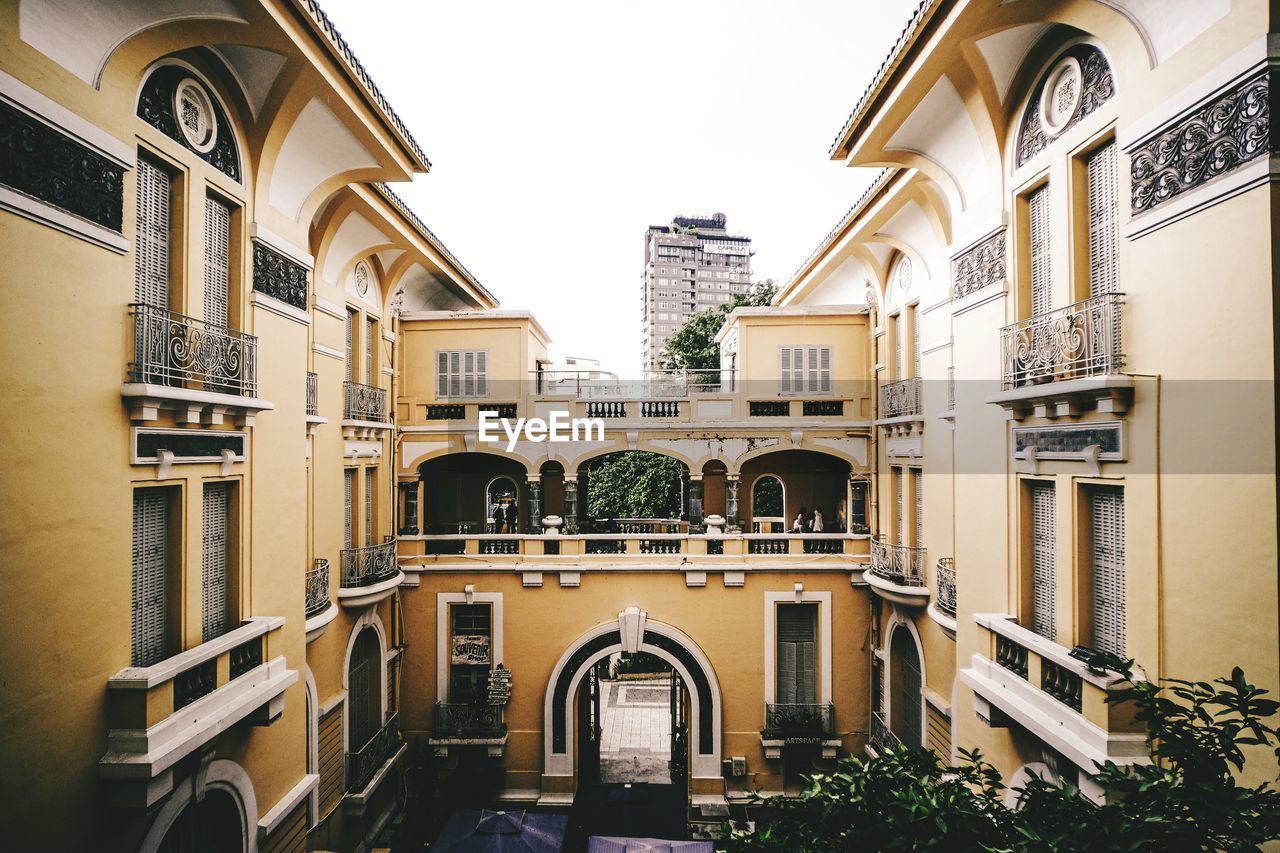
[(900, 399), (902, 564), (782, 721), (882, 737), (364, 764), (369, 565), (313, 394), (173, 349), (317, 587), (363, 402), (1080, 340), (945, 596), (456, 720)]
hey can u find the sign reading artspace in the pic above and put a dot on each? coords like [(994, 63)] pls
[(471, 649)]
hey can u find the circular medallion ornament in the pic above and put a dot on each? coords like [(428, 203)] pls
[(1060, 97), (194, 112), (363, 276), (903, 273)]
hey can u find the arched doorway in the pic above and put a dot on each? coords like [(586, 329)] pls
[(905, 685), (633, 632), (502, 497), (768, 499), (213, 825)]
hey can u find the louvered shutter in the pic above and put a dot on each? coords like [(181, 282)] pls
[(1044, 541), (482, 373), (899, 329), (455, 374), (917, 488), (1041, 271), (217, 261), (213, 573), (811, 370), (897, 496), (151, 246), (442, 375), (368, 505), (371, 331), (350, 330), (348, 487), (469, 374), (797, 654), (784, 370), (1104, 205), (915, 342), (824, 370), (1107, 529), (150, 574)]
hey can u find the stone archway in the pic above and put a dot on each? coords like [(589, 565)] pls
[(633, 632)]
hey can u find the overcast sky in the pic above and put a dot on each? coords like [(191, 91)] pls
[(559, 130)]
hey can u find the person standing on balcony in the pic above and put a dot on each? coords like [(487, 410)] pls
[(798, 526), (816, 527)]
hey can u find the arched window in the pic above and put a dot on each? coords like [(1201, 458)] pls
[(213, 825), (905, 685), (768, 504), (364, 690), (1075, 85)]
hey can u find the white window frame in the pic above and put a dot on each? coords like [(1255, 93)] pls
[(771, 602), (443, 602)]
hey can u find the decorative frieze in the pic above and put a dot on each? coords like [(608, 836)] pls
[(1069, 442), (979, 266), (279, 277), (39, 161), (202, 126), (1232, 129), (1079, 83)]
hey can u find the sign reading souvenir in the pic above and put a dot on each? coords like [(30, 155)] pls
[(500, 686), (471, 649)]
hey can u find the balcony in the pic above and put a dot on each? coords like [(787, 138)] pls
[(369, 574), (162, 713), (943, 607), (882, 737), (797, 725), (1033, 682), (468, 725), (900, 409), (897, 573), (201, 370), (367, 766), (364, 410), (1061, 362), (320, 610), (641, 541)]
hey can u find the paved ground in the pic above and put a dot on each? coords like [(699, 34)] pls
[(635, 744)]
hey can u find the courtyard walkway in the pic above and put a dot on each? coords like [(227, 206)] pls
[(635, 743)]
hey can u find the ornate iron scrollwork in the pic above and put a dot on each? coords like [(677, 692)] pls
[(155, 107), (980, 266), (1097, 86), (278, 277)]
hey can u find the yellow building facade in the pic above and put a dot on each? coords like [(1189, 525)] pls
[(1068, 259)]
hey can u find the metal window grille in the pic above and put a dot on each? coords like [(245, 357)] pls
[(150, 574), (217, 261), (371, 331), (348, 522), (910, 718), (1106, 510), (368, 504), (917, 489), (1044, 561), (1104, 203), (1041, 270), (797, 626), (213, 560), (462, 373), (360, 726), (151, 246)]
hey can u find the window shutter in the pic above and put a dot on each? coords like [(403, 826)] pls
[(786, 673), (899, 329), (368, 505), (442, 375), (1103, 207), (455, 374), (806, 673), (1041, 274), (797, 654), (151, 246), (784, 370), (482, 373), (348, 486), (469, 374), (213, 573), (897, 496), (824, 370), (350, 330), (915, 342), (1044, 541), (1107, 528), (217, 261), (371, 331), (811, 370), (150, 573), (917, 488)]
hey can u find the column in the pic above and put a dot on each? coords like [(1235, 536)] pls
[(695, 503), (570, 504), (534, 522), (731, 503), (409, 517)]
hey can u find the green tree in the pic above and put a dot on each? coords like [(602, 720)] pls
[(693, 345), (1188, 798), (634, 484)]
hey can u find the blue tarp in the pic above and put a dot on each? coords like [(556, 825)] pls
[(484, 831)]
